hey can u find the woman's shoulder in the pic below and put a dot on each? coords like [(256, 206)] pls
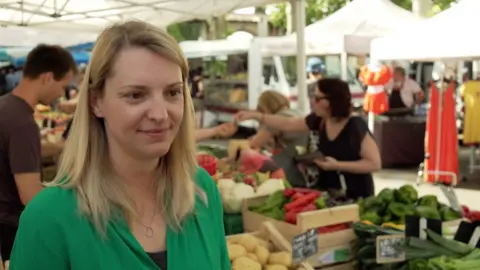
[(205, 181), (52, 202), (359, 122)]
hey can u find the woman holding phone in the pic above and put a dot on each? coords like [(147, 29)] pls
[(349, 153)]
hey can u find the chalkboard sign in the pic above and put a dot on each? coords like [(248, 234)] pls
[(469, 233), (304, 245), (390, 248)]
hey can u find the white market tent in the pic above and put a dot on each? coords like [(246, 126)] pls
[(30, 37), (352, 28), (94, 15), (448, 35), (70, 22), (214, 48)]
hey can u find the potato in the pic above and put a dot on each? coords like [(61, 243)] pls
[(245, 263), (235, 251), (234, 239), (262, 254), (249, 242), (252, 256), (283, 258), (275, 267), (264, 243)]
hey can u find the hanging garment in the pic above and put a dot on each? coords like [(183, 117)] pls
[(470, 92), (446, 150), (375, 77)]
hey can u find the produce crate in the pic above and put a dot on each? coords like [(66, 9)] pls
[(233, 223), (276, 242), (331, 246)]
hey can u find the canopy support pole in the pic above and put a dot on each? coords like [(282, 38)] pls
[(300, 19)]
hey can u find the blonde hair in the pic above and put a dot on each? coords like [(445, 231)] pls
[(271, 102), (85, 164)]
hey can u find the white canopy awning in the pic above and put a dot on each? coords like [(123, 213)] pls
[(214, 48), (94, 15), (352, 28), (448, 35)]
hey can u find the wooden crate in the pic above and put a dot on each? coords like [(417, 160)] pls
[(270, 233), (327, 243)]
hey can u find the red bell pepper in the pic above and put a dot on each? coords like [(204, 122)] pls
[(333, 228), (301, 202), (474, 215), (309, 207), (307, 191), (466, 210), (291, 216), (288, 192), (297, 196)]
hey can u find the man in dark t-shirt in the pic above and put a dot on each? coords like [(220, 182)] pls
[(47, 72)]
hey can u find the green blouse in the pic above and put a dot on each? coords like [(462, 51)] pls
[(53, 235)]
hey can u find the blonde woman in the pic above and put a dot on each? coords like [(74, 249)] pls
[(284, 143), (128, 194)]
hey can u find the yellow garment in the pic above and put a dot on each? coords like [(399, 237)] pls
[(470, 92)]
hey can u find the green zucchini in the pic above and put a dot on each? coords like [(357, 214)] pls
[(368, 251), (427, 245), (452, 245)]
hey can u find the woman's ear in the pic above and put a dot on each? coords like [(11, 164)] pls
[(95, 102)]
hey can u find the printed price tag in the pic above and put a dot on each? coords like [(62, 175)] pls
[(449, 192), (390, 248), (304, 245)]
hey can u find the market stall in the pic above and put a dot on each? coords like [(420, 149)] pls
[(323, 230)]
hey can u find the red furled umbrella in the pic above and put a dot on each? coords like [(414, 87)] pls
[(441, 147)]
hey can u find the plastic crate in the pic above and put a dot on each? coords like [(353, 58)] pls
[(233, 223)]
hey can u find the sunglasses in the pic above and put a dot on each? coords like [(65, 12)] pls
[(318, 99)]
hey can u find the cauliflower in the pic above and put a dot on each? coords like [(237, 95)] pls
[(232, 201), (270, 186)]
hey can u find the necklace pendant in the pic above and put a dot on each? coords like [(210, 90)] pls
[(148, 232)]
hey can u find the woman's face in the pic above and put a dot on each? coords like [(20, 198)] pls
[(142, 104), (320, 103)]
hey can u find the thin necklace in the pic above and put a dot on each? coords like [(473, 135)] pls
[(148, 229)]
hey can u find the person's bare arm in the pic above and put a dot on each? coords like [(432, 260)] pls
[(280, 123), (370, 158), (28, 185), (260, 139), (205, 134), (417, 91)]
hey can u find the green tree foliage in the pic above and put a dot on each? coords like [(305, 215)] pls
[(319, 9), (190, 30)]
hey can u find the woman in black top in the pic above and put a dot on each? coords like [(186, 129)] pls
[(351, 154)]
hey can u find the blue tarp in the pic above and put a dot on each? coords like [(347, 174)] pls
[(81, 47), (80, 57)]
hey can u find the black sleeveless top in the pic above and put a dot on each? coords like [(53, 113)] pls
[(345, 147), (160, 258)]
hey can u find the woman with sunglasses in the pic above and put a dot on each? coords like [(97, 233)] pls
[(349, 150)]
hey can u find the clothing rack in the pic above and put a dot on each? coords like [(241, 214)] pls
[(474, 159)]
